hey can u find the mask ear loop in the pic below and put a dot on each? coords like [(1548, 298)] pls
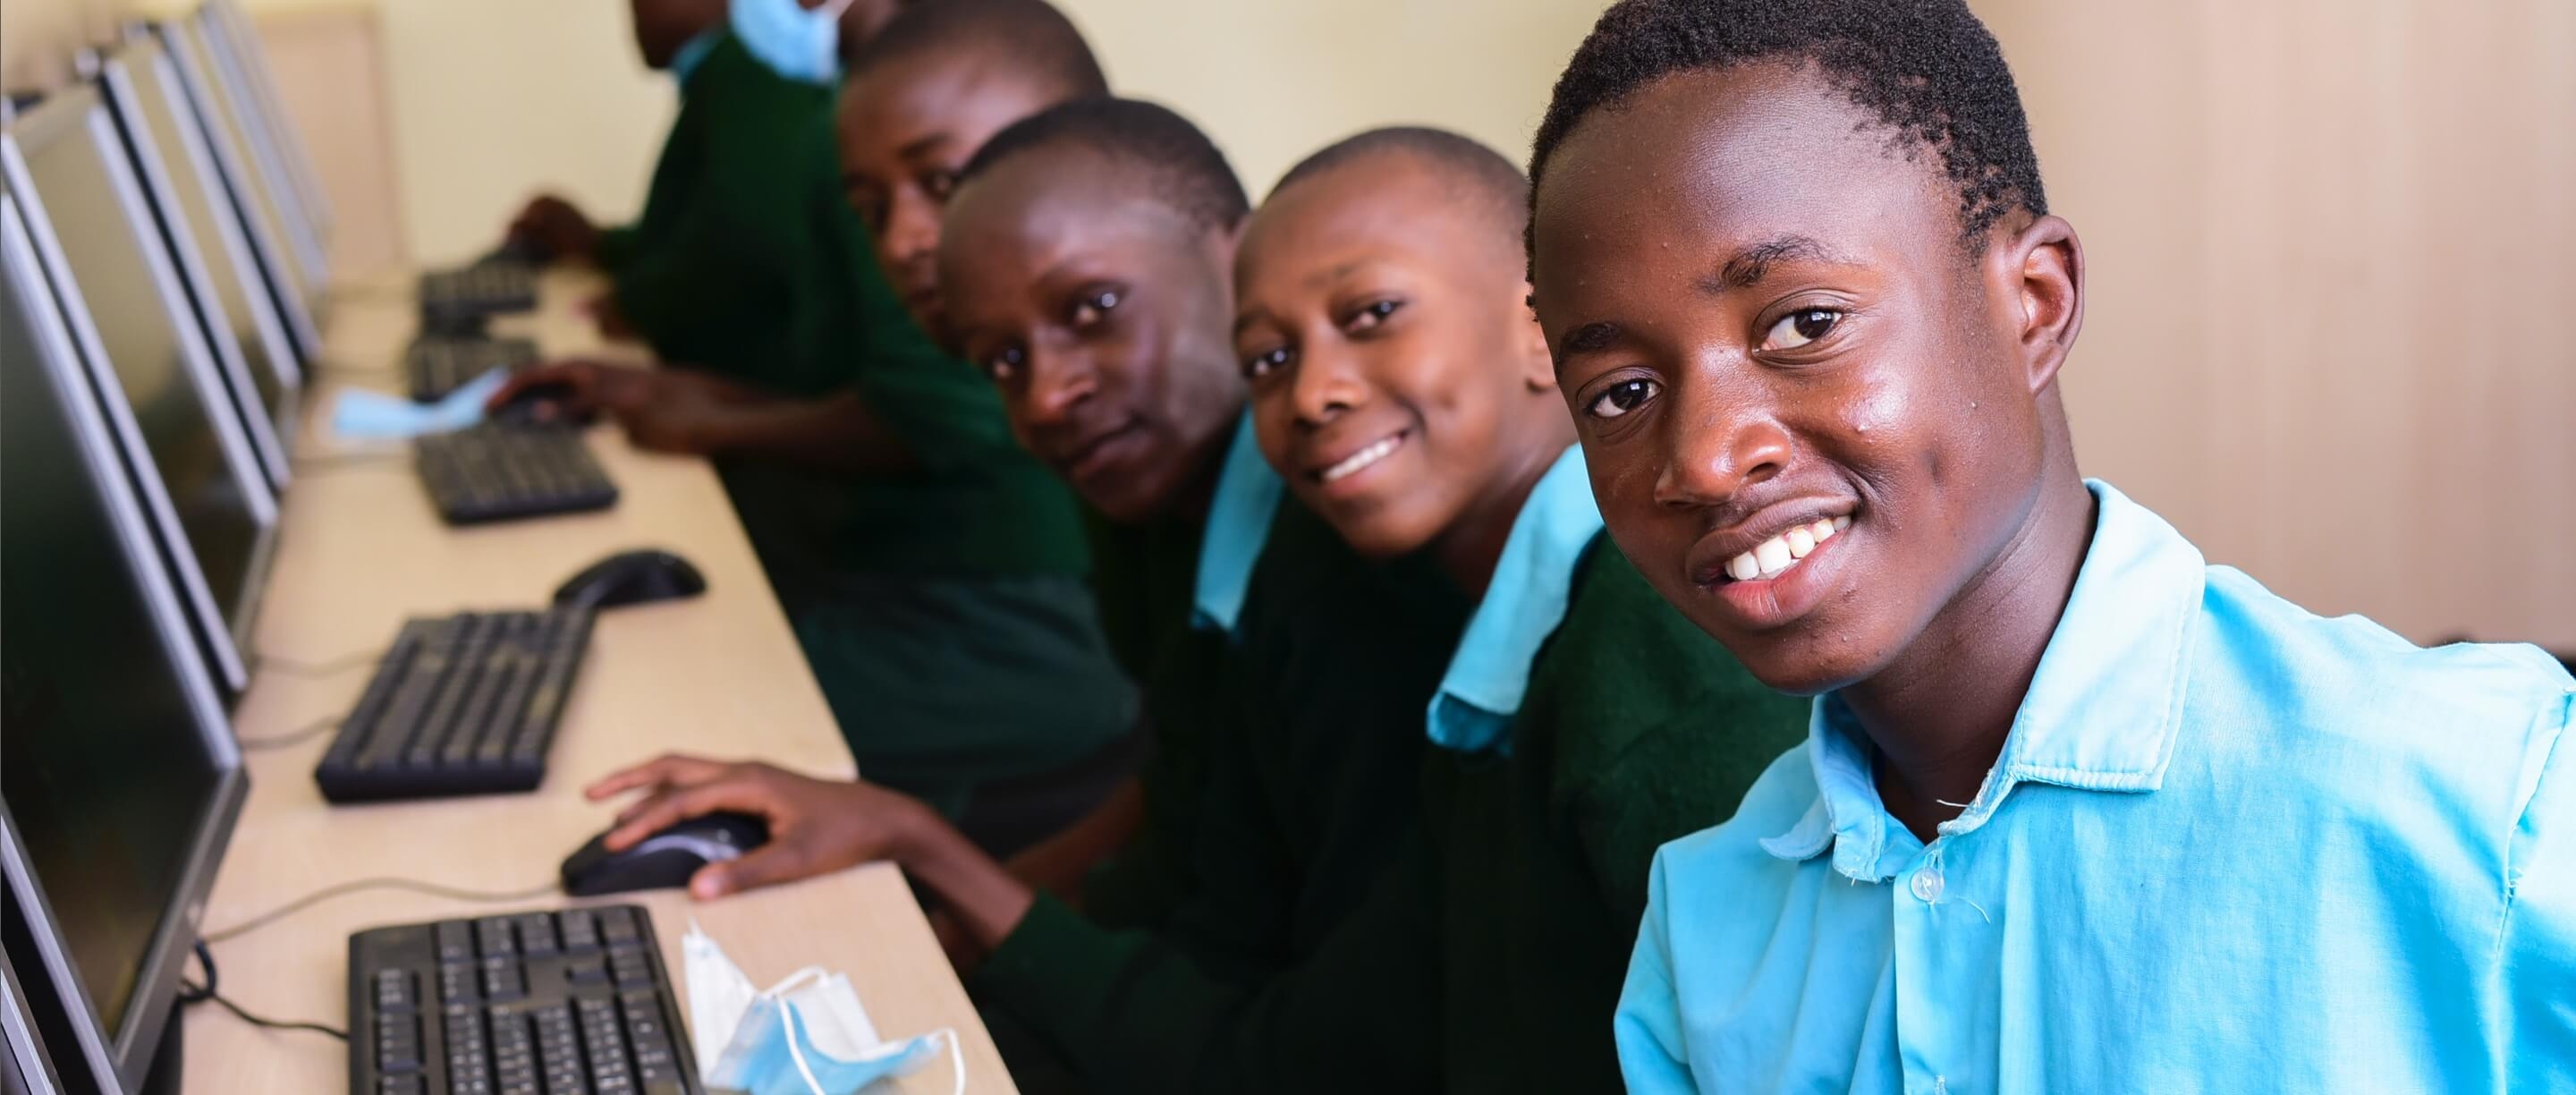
[(796, 1048), (956, 1056)]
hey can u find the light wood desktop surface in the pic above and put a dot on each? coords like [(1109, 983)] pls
[(720, 674)]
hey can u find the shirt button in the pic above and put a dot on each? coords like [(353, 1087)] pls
[(1927, 885)]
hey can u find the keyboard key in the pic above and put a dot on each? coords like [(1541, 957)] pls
[(631, 968), (580, 931), (408, 1084), (503, 980), (537, 935), (617, 926), (459, 984), (395, 991), (455, 941), (586, 971), (397, 1043), (492, 935)]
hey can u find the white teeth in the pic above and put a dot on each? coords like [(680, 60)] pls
[(1781, 552), (1363, 458), (1773, 555)]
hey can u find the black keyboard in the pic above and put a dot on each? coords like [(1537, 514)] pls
[(537, 1003), (439, 365), (461, 705), (491, 288), (497, 472)]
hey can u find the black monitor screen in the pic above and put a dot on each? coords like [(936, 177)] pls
[(206, 214), (87, 192), (105, 765)]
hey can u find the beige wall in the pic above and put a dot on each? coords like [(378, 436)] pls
[(2332, 333), (2333, 324)]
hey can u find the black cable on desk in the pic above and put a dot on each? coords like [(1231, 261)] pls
[(297, 736), (269, 663), (199, 994), (432, 889)]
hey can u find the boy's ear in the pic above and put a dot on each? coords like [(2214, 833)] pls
[(2044, 263), (1538, 366)]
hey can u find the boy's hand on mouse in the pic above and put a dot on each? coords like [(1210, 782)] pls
[(815, 826)]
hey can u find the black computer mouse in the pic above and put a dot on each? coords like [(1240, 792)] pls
[(541, 405), (632, 577), (664, 860)]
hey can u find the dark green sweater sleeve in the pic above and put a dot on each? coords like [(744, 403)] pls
[(719, 284), (616, 247), (1138, 1014)]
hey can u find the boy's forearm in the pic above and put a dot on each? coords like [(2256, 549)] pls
[(835, 433), (976, 891)]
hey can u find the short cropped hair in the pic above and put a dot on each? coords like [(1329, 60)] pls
[(1486, 177), (1184, 168), (1038, 37), (1925, 68)]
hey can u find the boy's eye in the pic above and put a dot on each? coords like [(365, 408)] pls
[(1004, 364), (938, 184), (1800, 328), (1371, 314), (1094, 308), (1622, 397), (1265, 362)]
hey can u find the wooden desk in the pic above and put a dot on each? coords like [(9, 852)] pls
[(720, 674)]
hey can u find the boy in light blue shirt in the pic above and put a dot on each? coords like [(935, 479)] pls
[(2077, 811)]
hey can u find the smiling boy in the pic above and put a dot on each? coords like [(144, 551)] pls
[(2077, 811)]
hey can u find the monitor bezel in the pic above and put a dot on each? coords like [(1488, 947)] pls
[(179, 238), (31, 1067), (264, 152), (125, 1053), (286, 285), (228, 639), (243, 33)]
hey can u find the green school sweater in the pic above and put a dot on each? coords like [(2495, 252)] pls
[(1490, 957), (1144, 575), (708, 275), (1306, 801)]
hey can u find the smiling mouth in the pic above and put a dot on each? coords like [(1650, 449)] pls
[(1775, 556), (1360, 461)]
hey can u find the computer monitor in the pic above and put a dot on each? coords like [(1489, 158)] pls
[(198, 116), (214, 261), (268, 154), (255, 186), (243, 36), (119, 777), (26, 1068), (137, 335)]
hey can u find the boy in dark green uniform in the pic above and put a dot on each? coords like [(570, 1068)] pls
[(1584, 722), (933, 571), (707, 274), (1090, 261)]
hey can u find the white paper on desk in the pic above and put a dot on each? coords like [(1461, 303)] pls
[(835, 1048)]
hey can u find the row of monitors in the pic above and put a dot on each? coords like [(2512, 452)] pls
[(160, 265)]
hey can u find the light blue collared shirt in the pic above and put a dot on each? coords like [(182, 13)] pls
[(2228, 846), (1523, 605), (1238, 526)]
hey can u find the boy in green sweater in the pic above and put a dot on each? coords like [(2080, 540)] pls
[(933, 571), (706, 274), (1583, 722), (1400, 386)]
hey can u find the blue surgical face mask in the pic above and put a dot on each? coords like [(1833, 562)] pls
[(795, 41), (807, 1035)]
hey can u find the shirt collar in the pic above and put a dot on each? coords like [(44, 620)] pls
[(2101, 713), (1522, 606), (1247, 497), (693, 53)]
